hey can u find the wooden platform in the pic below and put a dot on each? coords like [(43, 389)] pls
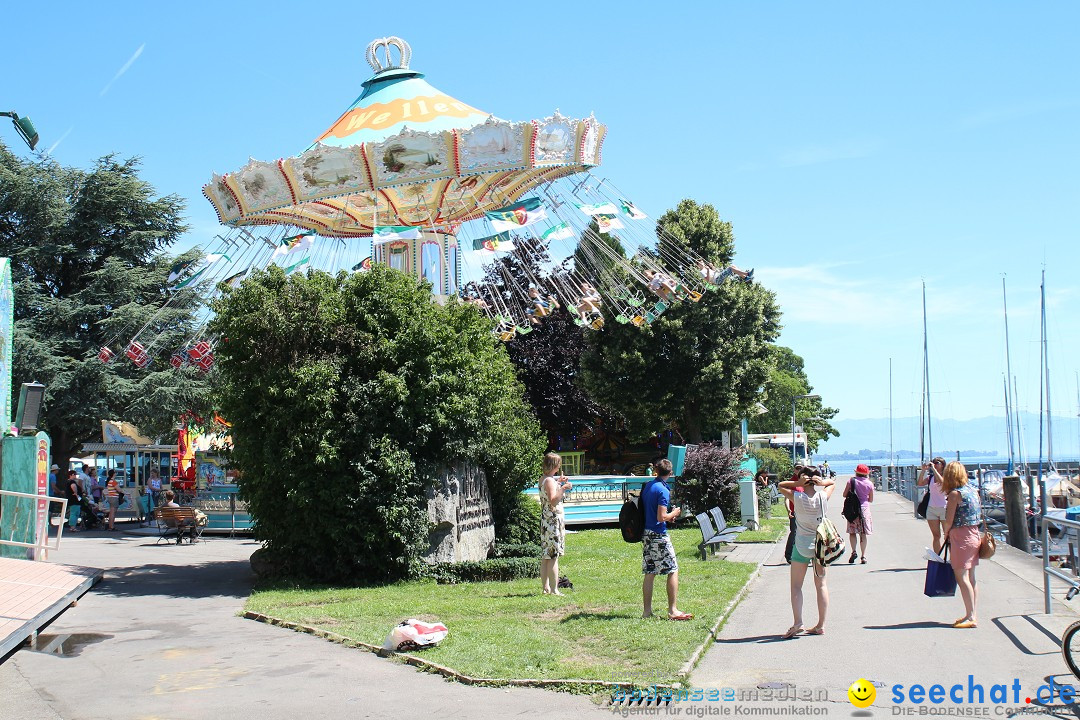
[(33, 593)]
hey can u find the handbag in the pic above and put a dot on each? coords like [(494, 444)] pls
[(987, 544), (923, 505), (940, 578)]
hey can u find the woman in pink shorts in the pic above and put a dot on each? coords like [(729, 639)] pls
[(961, 527)]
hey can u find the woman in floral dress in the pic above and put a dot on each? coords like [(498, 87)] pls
[(553, 487)]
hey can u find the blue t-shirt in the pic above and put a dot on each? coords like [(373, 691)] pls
[(656, 493)]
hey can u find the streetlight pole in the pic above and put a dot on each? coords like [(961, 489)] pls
[(795, 400)]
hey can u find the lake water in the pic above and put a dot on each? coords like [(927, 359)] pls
[(847, 467)]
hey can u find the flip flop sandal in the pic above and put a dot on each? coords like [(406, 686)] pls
[(792, 632), (681, 616)]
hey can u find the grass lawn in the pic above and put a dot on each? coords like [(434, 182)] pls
[(510, 630), (770, 530)]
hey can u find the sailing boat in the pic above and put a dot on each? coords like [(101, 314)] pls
[(1052, 480)]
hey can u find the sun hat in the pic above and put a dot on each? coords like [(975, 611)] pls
[(55, 467), (862, 469)]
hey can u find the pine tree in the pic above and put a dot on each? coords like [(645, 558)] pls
[(89, 269)]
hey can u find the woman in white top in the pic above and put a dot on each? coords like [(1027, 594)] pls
[(810, 501), (935, 511)]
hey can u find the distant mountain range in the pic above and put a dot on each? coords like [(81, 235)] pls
[(985, 435)]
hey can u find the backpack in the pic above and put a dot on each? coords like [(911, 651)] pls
[(829, 544), (852, 508), (632, 516)]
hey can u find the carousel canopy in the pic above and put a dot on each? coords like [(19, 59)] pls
[(405, 154)]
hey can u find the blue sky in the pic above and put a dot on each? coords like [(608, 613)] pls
[(858, 148)]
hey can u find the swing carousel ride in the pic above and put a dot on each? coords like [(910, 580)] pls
[(446, 193)]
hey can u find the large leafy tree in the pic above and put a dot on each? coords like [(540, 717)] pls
[(787, 381), (347, 394), (699, 367), (88, 268)]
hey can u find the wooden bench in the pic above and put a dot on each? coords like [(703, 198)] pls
[(177, 521)]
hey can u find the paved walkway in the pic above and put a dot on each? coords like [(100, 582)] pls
[(160, 637), (33, 593), (881, 627)]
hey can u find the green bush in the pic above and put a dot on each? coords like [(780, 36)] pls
[(347, 395), (492, 570), (710, 478), (522, 524), (523, 550)]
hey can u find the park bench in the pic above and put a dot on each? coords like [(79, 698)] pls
[(721, 523), (709, 535), (177, 521)]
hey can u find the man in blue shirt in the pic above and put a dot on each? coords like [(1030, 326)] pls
[(657, 554)]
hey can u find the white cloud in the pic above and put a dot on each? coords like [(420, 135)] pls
[(122, 70), (817, 154), (838, 294), (1004, 114)]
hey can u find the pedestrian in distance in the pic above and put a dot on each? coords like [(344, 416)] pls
[(863, 526), (961, 528), (935, 511), (657, 552), (112, 496), (811, 504), (73, 493), (553, 488)]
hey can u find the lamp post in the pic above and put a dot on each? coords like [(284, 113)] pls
[(24, 127), (795, 400)]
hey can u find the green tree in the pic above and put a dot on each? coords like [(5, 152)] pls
[(347, 394), (699, 367), (787, 380), (88, 269), (699, 228)]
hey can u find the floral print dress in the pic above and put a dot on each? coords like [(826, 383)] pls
[(552, 525)]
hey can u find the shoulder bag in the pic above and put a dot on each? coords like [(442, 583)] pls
[(987, 544)]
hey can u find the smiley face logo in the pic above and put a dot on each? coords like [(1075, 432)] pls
[(861, 693)]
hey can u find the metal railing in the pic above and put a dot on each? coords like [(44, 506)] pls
[(1048, 571), (30, 520)]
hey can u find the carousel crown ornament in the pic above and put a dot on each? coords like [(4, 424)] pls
[(404, 53)]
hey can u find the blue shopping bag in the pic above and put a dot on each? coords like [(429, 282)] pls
[(940, 579)]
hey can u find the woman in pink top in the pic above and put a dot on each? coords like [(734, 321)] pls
[(863, 526), (935, 511)]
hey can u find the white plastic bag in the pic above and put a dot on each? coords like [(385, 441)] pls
[(933, 556), (413, 634)]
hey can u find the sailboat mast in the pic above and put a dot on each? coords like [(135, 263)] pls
[(926, 377), (892, 458), (1008, 423), (1042, 385), (1008, 374), (1019, 431)]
